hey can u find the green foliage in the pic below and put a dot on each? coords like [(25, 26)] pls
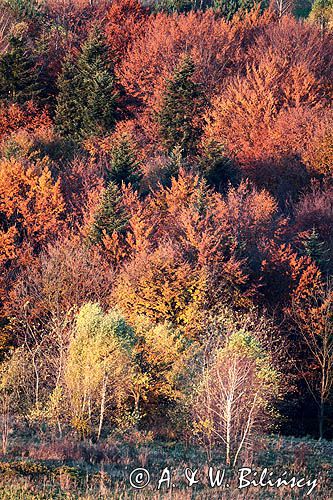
[(234, 395), (176, 5), (242, 345), (181, 104), (322, 13), (98, 84), (15, 370), (124, 166), (160, 354), (19, 75), (175, 163), (110, 216), (303, 8), (25, 9), (87, 93), (228, 8), (178, 254), (216, 166), (24, 468), (317, 249), (70, 107)]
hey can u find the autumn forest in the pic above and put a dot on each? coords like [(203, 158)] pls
[(166, 226)]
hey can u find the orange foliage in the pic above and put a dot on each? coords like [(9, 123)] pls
[(30, 202), (100, 148), (318, 152), (297, 44), (141, 224), (210, 41), (7, 244), (310, 282), (243, 116), (176, 252), (187, 232), (81, 187), (251, 215), (284, 272), (292, 129), (267, 114), (162, 286)]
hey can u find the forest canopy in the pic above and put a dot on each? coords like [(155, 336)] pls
[(166, 218)]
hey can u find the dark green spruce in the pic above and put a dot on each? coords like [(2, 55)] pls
[(181, 104), (88, 95), (110, 216), (124, 166), (19, 74)]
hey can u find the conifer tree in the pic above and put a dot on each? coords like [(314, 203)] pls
[(70, 106), (175, 163), (99, 86), (175, 5), (181, 104), (228, 8), (216, 166), (124, 165), (88, 96), (19, 79), (110, 217), (317, 249)]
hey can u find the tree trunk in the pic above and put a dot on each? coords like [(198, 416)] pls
[(34, 364), (5, 426), (59, 428), (228, 431), (321, 419), (102, 410)]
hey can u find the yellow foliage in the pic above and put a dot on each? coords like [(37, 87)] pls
[(163, 287), (97, 367), (162, 351)]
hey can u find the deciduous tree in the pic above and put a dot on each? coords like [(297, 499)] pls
[(312, 312), (97, 371), (233, 395)]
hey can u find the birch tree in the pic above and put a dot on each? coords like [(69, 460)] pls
[(233, 396), (97, 375), (282, 7)]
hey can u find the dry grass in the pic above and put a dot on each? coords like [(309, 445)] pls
[(65, 469)]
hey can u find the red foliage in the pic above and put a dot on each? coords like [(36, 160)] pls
[(284, 271), (296, 44), (125, 21), (14, 117)]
